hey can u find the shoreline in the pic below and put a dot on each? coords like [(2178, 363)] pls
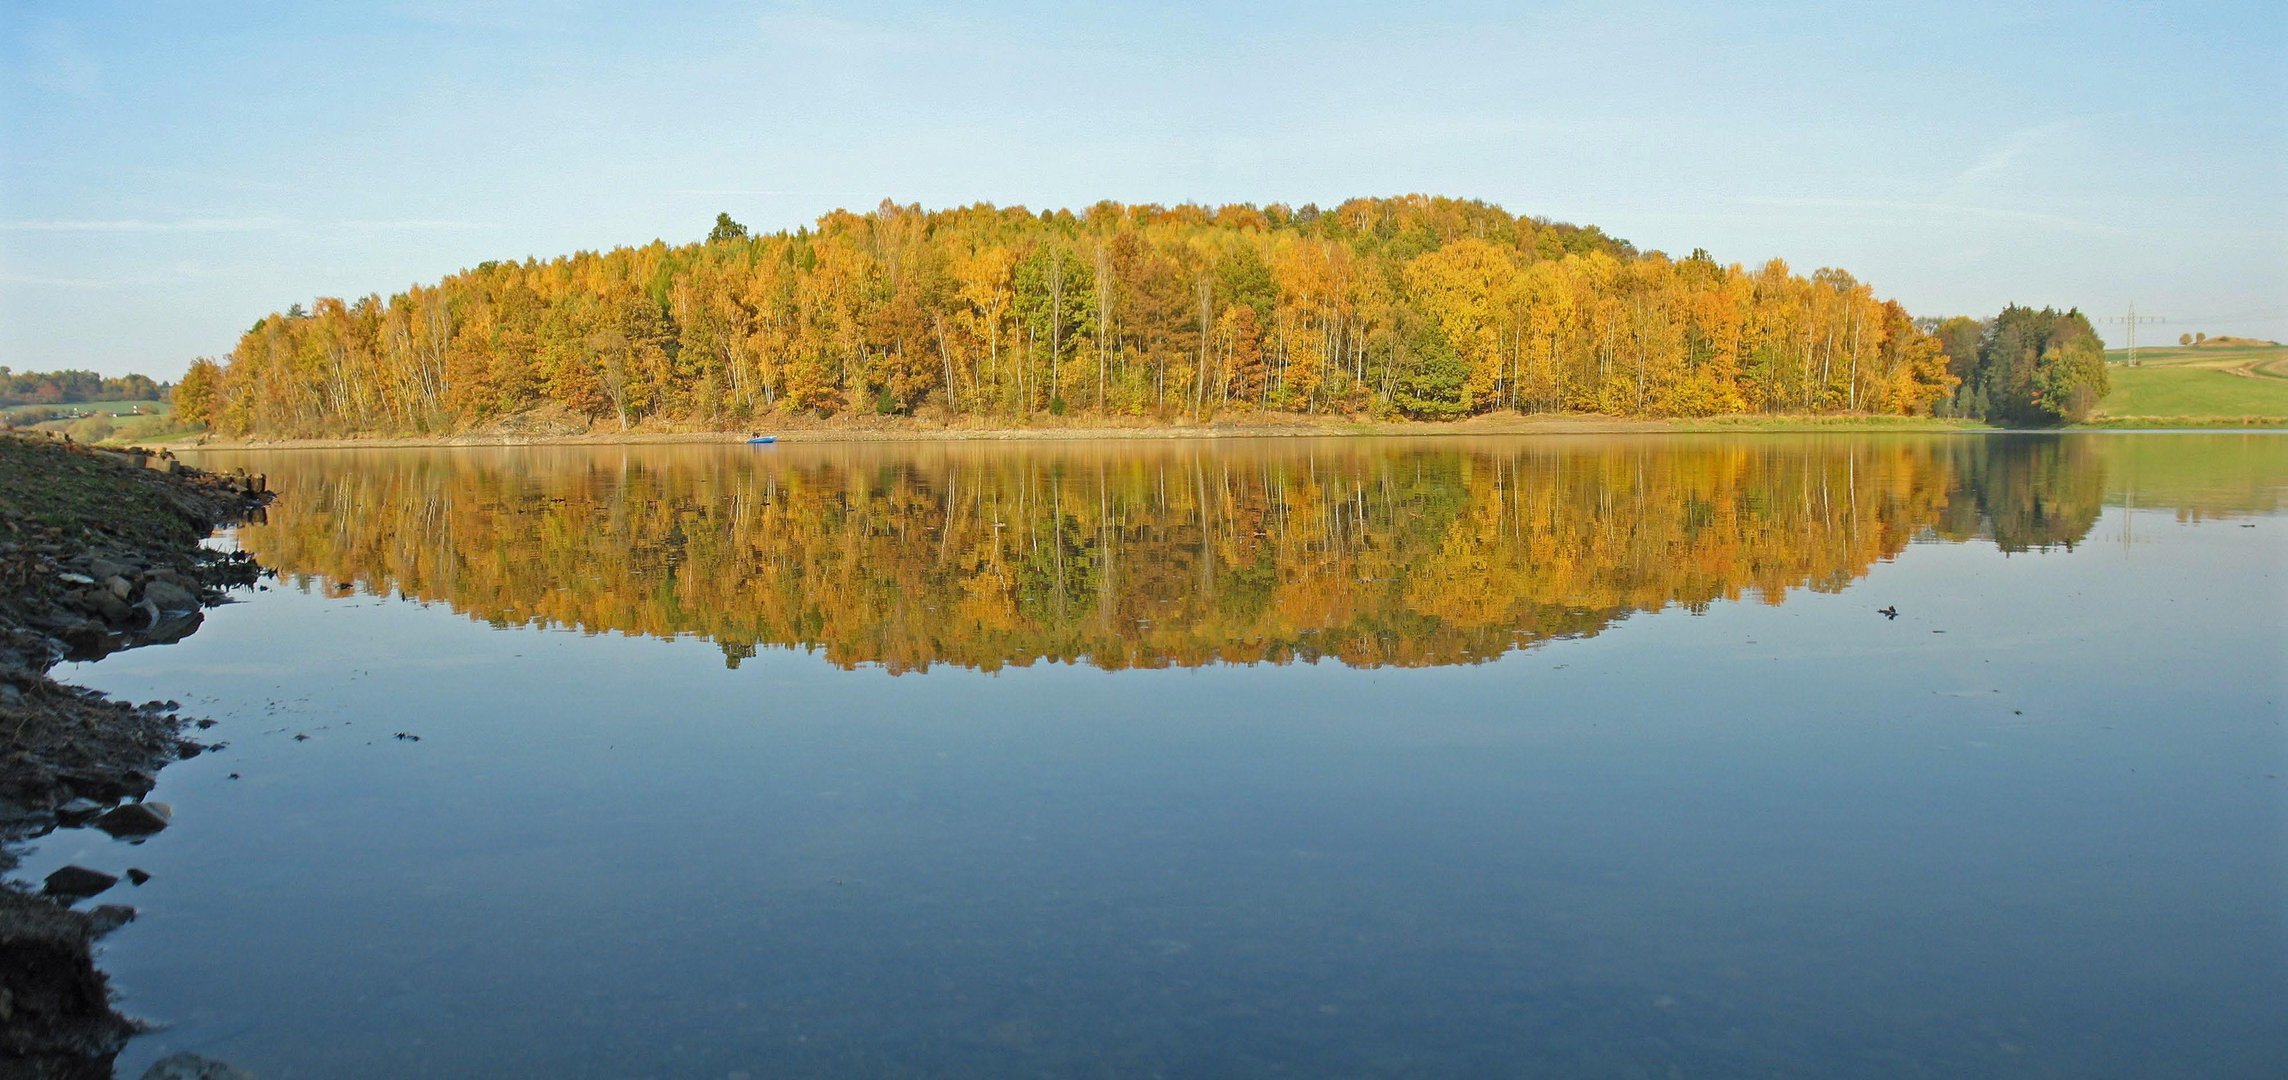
[(906, 429), (100, 551)]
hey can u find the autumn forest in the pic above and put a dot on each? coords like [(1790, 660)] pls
[(1412, 307)]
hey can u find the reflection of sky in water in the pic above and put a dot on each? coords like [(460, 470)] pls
[(1799, 839)]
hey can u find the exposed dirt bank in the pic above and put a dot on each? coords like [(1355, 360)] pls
[(99, 551)]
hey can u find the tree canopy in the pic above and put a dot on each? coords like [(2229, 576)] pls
[(2025, 366), (1399, 307), (73, 387)]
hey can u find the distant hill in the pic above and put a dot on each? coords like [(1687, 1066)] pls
[(2230, 342)]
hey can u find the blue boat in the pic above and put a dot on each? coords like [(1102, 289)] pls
[(761, 439)]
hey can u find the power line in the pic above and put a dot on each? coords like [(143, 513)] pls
[(2131, 320), (2231, 316)]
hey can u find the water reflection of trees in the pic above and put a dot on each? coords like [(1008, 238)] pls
[(1412, 554), (2023, 491)]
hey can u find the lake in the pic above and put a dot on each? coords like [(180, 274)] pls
[(1362, 757)]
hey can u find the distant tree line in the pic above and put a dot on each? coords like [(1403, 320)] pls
[(75, 387), (2024, 366), (1412, 307)]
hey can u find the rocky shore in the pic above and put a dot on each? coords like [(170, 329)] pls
[(100, 551)]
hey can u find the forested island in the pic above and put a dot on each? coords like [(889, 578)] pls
[(1411, 308)]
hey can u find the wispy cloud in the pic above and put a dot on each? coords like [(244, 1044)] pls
[(760, 192), (199, 225), (127, 281), (407, 225), (59, 63), (2015, 153), (799, 28), (1897, 207), (146, 225), (461, 15), (59, 282)]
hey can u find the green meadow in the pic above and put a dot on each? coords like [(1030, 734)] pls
[(97, 421), (2209, 384)]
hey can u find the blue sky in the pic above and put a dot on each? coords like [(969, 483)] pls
[(169, 173)]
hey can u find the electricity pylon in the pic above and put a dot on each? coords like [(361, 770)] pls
[(2131, 320)]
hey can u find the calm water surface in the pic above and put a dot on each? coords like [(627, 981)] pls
[(1347, 758)]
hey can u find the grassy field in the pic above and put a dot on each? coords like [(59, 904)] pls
[(89, 408), (100, 421), (2211, 384)]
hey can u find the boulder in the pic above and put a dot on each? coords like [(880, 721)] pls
[(135, 819), (105, 918), (78, 882), (187, 1066), (78, 811), (114, 609), (107, 787), (169, 596)]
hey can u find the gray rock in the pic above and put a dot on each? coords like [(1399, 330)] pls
[(76, 882), (106, 918), (188, 1066), (78, 811), (119, 586), (135, 819), (107, 787), (170, 596), (102, 602)]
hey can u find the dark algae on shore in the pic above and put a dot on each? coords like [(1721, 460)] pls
[(99, 551)]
